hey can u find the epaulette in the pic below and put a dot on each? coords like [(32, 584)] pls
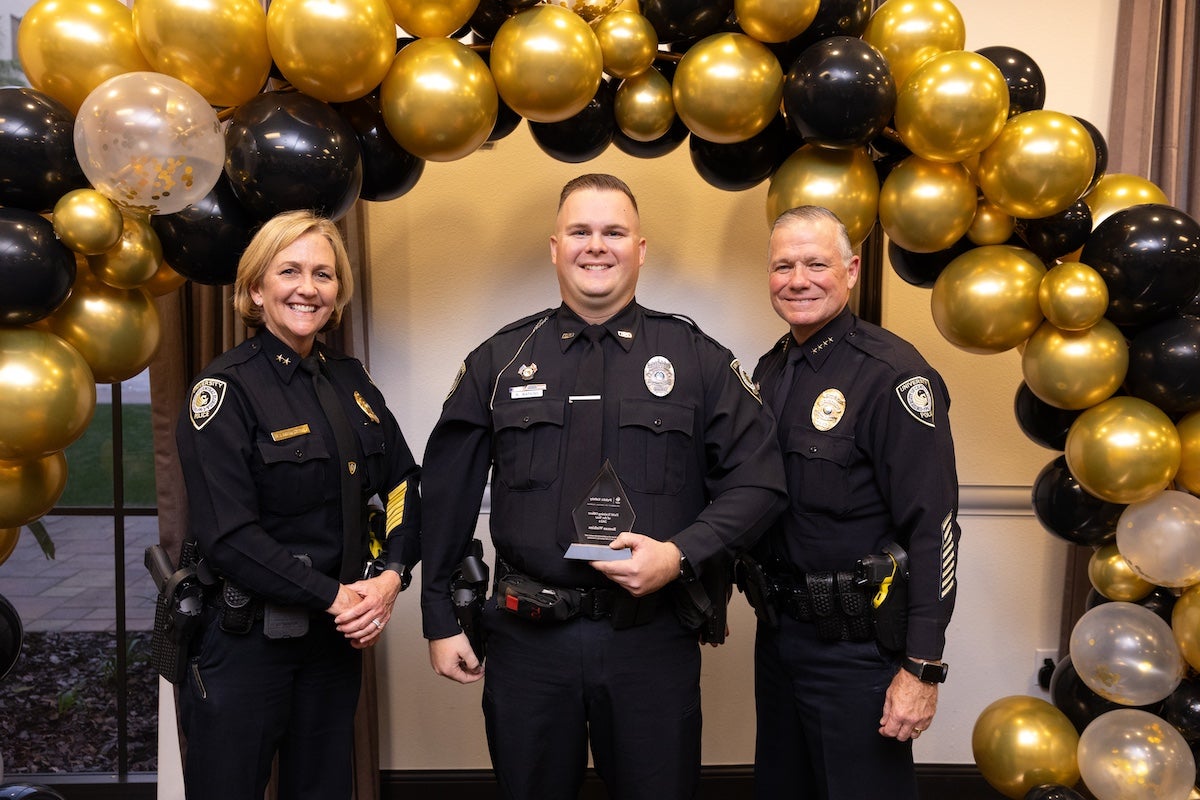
[(686, 320), (524, 321), (234, 356)]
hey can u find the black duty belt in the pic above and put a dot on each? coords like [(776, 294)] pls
[(836, 602), (531, 599)]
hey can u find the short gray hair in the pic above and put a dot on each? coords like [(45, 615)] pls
[(811, 214)]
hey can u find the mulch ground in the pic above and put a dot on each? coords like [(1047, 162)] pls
[(58, 706)]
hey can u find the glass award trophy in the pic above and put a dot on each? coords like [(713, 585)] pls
[(601, 516)]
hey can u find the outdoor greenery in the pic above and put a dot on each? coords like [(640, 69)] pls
[(90, 461)]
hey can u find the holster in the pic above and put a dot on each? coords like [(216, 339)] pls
[(886, 577), (702, 605), (468, 589), (177, 610)]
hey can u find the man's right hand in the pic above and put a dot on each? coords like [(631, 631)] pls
[(453, 658)]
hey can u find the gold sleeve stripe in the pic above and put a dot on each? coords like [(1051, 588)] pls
[(395, 507)]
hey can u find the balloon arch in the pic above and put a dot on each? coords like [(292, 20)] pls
[(155, 139)]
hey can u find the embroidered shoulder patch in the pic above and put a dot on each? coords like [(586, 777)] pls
[(750, 385), (462, 370), (207, 396), (916, 396)]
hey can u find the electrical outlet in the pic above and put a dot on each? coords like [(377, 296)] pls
[(1041, 656)]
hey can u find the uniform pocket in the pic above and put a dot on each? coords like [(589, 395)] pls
[(293, 474), (818, 466), (527, 442), (655, 445)]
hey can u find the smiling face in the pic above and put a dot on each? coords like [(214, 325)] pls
[(810, 280), (597, 249), (298, 291)]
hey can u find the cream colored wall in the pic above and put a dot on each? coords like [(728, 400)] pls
[(466, 252)]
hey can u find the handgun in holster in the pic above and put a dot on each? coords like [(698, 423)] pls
[(753, 582), (468, 590), (702, 605), (887, 574), (177, 609)]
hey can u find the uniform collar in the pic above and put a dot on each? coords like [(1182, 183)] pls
[(818, 347), (624, 326), (284, 359)]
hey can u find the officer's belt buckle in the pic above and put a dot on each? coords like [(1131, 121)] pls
[(595, 603)]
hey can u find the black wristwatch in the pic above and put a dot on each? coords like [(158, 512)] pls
[(926, 671)]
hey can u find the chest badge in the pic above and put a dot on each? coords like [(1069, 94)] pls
[(366, 407), (660, 376), (527, 371), (828, 409), (207, 396)]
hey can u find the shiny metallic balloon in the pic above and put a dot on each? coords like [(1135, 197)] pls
[(1117, 191), (1188, 476), (1160, 537), (439, 101), (727, 87), (775, 20), (164, 281), (47, 394), (218, 47), (926, 206), (1073, 296), (1039, 164), (134, 260), (643, 107), (87, 221), (1075, 369), (1185, 624), (547, 63), (425, 19), (952, 106), (990, 225), (1112, 576), (8, 542), (1123, 450), (29, 489), (590, 11), (910, 32), (844, 181), (628, 42), (986, 300), (1020, 742)]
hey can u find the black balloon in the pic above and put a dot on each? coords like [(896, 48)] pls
[(1052, 791), (487, 18), (286, 151), (36, 269), (12, 634), (507, 120), (834, 18), (742, 165), (1164, 365), (37, 150), (1052, 237), (922, 269), (1026, 84), (1149, 257), (1071, 695), (581, 137), (204, 241), (1182, 709), (674, 20), (1101, 152), (655, 147), (1043, 423), (1064, 509), (1161, 601), (839, 93), (389, 171), (28, 791)]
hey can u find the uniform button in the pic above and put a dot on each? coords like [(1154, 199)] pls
[(525, 419), (299, 454), (812, 449), (658, 422)]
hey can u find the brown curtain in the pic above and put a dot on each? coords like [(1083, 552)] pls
[(198, 324), (1153, 132)]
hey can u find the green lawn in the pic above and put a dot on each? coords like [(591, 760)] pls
[(90, 460)]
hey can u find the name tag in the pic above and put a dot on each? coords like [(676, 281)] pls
[(528, 390), (290, 433)]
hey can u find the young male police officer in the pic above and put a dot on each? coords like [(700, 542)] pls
[(870, 465), (608, 662)]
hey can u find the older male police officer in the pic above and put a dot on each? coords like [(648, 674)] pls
[(841, 690), (581, 652)]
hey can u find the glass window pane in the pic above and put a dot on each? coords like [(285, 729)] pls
[(138, 442)]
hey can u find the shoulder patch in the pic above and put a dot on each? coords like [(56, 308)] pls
[(916, 396), (749, 385), (207, 396), (462, 370)]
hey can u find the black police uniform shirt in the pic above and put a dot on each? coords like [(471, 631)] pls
[(700, 463), (258, 458), (869, 459)]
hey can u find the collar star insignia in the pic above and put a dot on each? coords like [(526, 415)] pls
[(282, 359)]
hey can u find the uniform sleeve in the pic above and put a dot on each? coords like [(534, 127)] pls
[(456, 464), (914, 454), (223, 509), (402, 500), (744, 482)]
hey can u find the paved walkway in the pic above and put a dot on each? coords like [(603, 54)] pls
[(76, 590)]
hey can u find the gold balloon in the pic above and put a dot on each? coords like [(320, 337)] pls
[(952, 106), (547, 63), (29, 489), (333, 50), (69, 47), (439, 100), (775, 20), (8, 542), (1123, 450), (727, 87), (1185, 624), (926, 206), (164, 281), (1040, 164), (591, 11), (990, 225), (910, 32), (1114, 578), (1188, 477), (1075, 369), (1116, 191), (844, 181), (1021, 742), (643, 108), (87, 221), (1073, 296), (423, 18), (117, 331), (135, 259), (47, 395), (218, 47), (986, 300), (628, 42)]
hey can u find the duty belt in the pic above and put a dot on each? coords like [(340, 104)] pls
[(531, 599), (835, 601)]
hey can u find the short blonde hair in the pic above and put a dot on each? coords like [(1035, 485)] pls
[(276, 235)]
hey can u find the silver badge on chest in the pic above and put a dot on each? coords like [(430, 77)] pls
[(660, 376), (828, 409)]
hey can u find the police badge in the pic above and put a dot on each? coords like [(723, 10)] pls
[(659, 375)]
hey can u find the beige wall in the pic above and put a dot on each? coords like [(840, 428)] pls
[(466, 252)]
